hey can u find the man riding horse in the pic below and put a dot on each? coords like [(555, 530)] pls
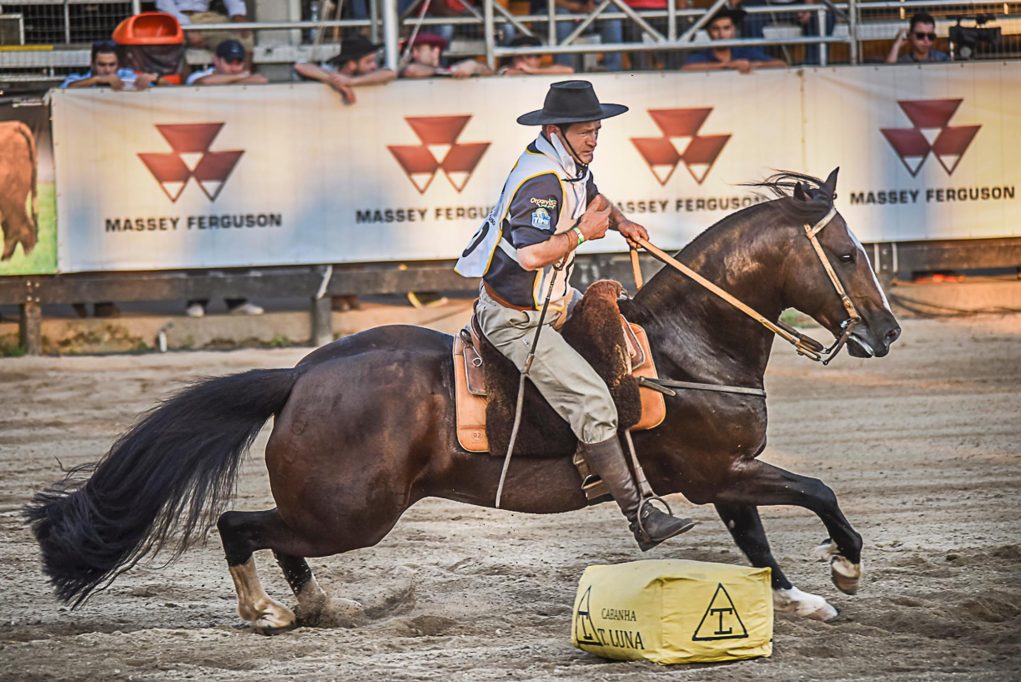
[(549, 206)]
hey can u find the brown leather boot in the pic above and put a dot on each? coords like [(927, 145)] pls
[(649, 525)]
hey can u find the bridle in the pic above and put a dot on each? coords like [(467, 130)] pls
[(803, 344)]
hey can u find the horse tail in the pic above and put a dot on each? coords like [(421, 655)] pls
[(162, 484)]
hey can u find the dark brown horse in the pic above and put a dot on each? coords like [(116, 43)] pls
[(365, 427)]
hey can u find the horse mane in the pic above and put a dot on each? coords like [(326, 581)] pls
[(783, 185)]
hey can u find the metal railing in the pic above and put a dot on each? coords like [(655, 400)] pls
[(671, 30)]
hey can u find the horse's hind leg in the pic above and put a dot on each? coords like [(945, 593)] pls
[(314, 606), (744, 524), (242, 533)]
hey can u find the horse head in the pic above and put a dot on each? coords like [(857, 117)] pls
[(825, 262)]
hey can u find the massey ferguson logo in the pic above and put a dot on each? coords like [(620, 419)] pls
[(680, 142), (191, 158), (439, 150), (930, 134)]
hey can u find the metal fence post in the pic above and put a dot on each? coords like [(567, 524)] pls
[(489, 33), (391, 33), (852, 29)]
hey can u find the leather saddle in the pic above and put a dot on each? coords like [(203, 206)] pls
[(486, 383)]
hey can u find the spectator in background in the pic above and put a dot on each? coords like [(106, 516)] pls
[(808, 22), (229, 68), (427, 60), (723, 26), (610, 31), (105, 71), (530, 64), (356, 65), (921, 35), (197, 12)]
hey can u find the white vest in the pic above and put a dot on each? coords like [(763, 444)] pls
[(554, 158)]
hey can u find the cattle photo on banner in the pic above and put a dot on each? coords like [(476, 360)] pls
[(27, 207)]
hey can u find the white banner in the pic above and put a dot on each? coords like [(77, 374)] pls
[(287, 174)]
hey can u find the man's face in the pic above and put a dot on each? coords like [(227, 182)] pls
[(922, 37), (583, 138), (366, 64), (105, 64), (722, 29), (229, 67), (427, 55)]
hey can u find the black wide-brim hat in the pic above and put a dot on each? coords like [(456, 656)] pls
[(355, 47), (571, 102)]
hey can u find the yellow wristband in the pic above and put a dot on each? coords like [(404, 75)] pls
[(581, 237)]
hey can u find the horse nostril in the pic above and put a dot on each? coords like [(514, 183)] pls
[(892, 335)]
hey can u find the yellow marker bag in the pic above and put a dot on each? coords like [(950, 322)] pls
[(674, 611)]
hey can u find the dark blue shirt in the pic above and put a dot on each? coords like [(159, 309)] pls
[(934, 56), (752, 54)]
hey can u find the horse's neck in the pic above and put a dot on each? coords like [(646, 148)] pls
[(697, 335)]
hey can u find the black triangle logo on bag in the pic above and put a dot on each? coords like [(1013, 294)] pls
[(584, 629), (721, 619)]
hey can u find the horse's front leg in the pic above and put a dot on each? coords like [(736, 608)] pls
[(757, 483), (744, 524)]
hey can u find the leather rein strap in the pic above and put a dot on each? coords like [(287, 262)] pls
[(803, 344)]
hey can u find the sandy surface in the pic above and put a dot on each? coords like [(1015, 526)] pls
[(922, 448)]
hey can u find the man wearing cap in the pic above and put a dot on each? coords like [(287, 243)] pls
[(426, 60), (548, 207), (228, 68), (356, 65)]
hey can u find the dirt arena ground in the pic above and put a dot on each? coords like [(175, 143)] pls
[(922, 448)]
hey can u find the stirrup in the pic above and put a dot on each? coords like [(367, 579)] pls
[(649, 501), (595, 489)]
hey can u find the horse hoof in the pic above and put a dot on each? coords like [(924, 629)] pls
[(803, 604), (268, 628), (269, 618), (846, 576)]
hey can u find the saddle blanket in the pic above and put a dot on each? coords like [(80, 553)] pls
[(471, 397)]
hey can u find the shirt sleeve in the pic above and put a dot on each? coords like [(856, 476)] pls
[(74, 78), (170, 7), (752, 54), (700, 57), (534, 211), (196, 76), (236, 7)]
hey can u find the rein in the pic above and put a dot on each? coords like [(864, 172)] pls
[(803, 344)]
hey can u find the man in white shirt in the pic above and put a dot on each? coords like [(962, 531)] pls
[(189, 12), (229, 68)]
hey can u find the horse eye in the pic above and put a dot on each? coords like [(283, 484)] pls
[(847, 258)]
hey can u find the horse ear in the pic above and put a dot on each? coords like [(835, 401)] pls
[(800, 192), (830, 186)]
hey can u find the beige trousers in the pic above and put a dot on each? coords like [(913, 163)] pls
[(563, 377)]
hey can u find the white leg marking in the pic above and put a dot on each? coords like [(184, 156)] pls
[(265, 615), (803, 604)]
